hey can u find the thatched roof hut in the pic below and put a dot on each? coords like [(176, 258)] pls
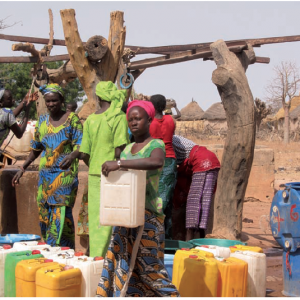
[(294, 103), (295, 113), (191, 112), (215, 112)]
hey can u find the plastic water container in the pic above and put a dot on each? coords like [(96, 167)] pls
[(179, 258), (25, 275), (198, 277), (168, 262), (33, 245), (9, 269), (91, 269), (216, 242), (245, 248), (4, 250), (58, 281), (233, 275), (257, 269), (64, 251), (10, 239), (123, 198), (63, 256), (216, 250), (22, 144)]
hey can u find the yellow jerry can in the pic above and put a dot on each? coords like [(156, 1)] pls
[(25, 275), (197, 276), (58, 281), (233, 275), (245, 248)]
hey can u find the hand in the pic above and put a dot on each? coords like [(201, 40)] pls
[(16, 178), (34, 96), (109, 166), (66, 162)]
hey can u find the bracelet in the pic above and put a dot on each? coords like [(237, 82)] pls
[(119, 163)]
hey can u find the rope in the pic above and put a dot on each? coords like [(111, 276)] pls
[(127, 55)]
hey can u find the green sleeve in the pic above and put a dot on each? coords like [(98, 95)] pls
[(120, 131), (86, 144)]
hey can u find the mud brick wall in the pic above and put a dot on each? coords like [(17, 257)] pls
[(262, 176)]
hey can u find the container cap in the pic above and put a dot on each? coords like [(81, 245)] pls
[(36, 252), (48, 260), (68, 267), (6, 247), (185, 249), (65, 248), (193, 256), (42, 243), (79, 253), (204, 246), (233, 247), (98, 258)]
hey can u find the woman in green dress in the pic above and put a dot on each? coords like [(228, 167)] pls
[(105, 135), (57, 138)]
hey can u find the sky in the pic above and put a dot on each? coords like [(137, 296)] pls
[(170, 23)]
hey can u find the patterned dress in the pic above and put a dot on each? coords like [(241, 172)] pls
[(7, 119), (149, 277), (57, 189)]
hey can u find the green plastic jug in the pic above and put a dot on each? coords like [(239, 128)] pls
[(9, 269)]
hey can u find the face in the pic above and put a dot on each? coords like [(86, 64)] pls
[(138, 121), (7, 99), (70, 108), (53, 102)]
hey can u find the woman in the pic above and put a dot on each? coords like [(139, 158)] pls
[(57, 138), (163, 127), (202, 166), (149, 277), (105, 135), (8, 117)]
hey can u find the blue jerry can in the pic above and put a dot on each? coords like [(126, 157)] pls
[(285, 226)]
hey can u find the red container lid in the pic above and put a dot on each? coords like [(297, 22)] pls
[(68, 267), (42, 243), (48, 260), (36, 252), (65, 248), (204, 246), (98, 258), (233, 247), (185, 249), (6, 247), (78, 253), (193, 256)]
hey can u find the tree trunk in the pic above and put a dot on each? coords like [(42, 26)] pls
[(286, 135), (258, 122), (90, 73), (236, 96)]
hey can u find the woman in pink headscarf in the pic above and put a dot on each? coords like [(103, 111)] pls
[(149, 277)]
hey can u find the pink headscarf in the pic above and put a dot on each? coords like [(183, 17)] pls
[(146, 105)]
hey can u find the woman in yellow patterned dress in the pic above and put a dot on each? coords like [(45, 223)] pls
[(57, 138)]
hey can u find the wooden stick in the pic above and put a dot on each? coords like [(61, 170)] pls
[(51, 33), (31, 59), (27, 47)]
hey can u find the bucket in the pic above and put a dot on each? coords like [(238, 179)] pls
[(171, 246), (10, 239), (216, 242)]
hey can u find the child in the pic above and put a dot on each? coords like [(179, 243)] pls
[(149, 277)]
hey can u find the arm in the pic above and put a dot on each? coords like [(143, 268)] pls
[(22, 105), (118, 151), (155, 161), (177, 111), (19, 130), (31, 157)]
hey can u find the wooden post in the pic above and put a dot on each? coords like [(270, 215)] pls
[(233, 87), (90, 73)]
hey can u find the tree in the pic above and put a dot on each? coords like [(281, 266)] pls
[(4, 25), (261, 111), (282, 88), (17, 78)]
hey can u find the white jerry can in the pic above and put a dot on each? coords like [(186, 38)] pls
[(30, 245), (257, 269), (122, 198), (216, 250)]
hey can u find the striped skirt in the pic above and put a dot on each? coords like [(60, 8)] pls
[(149, 277), (199, 198)]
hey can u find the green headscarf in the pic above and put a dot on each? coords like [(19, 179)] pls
[(52, 88), (107, 91)]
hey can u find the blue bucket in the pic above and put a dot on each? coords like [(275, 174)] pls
[(10, 239), (169, 260)]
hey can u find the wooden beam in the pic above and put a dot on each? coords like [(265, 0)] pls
[(163, 49), (31, 59), (259, 59)]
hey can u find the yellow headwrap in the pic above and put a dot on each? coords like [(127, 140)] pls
[(107, 91)]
